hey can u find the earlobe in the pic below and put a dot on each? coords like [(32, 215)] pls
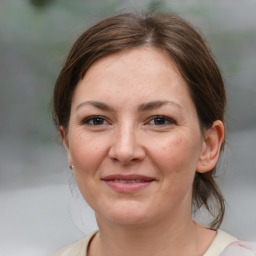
[(213, 139), (64, 137)]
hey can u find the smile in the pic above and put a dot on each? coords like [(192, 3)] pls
[(128, 183)]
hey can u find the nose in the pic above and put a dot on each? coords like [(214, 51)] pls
[(126, 147)]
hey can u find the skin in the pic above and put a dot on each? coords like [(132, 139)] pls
[(132, 114)]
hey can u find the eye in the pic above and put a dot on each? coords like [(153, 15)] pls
[(95, 120), (161, 121)]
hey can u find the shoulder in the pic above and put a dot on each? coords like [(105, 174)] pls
[(220, 242), (78, 248), (225, 244), (240, 248)]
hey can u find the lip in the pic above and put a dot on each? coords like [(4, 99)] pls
[(128, 183)]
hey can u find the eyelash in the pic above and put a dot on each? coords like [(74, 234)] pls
[(100, 120), (165, 119), (93, 119)]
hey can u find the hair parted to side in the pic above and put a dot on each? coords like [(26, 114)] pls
[(186, 48)]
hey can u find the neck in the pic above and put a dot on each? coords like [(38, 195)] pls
[(162, 239)]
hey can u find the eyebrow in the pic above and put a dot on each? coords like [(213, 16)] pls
[(143, 107), (156, 104), (97, 104)]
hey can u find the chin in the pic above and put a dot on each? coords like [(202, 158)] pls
[(127, 213)]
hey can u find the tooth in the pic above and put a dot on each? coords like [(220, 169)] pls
[(128, 181)]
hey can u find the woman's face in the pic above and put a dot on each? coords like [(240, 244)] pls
[(134, 138)]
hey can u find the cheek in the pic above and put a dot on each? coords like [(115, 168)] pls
[(87, 154), (176, 156)]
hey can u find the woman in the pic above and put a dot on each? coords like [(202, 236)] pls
[(139, 105)]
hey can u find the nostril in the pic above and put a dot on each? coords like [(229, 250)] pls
[(126, 157), (126, 147)]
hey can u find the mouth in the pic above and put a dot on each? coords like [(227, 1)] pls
[(128, 183)]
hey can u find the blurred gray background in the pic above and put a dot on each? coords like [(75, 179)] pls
[(39, 210)]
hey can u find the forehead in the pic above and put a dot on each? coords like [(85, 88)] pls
[(135, 59), (144, 73)]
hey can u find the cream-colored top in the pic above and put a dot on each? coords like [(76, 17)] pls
[(220, 242)]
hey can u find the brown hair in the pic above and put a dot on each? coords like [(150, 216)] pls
[(185, 47)]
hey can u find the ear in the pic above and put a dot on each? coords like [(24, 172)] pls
[(212, 141), (64, 137)]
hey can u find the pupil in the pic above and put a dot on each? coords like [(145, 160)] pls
[(97, 121), (159, 120)]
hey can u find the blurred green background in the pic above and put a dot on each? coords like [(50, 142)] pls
[(35, 36)]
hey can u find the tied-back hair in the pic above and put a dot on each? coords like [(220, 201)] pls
[(194, 60)]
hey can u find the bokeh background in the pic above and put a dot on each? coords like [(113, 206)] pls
[(39, 210)]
